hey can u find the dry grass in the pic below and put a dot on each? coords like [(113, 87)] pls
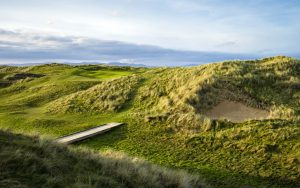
[(108, 96), (30, 162)]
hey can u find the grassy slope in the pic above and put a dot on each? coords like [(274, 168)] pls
[(31, 162), (164, 115), (23, 103)]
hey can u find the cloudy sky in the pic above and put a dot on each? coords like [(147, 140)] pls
[(158, 32)]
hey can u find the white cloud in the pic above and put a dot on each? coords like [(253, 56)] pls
[(198, 25), (26, 46), (115, 13)]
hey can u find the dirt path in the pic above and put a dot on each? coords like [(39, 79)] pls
[(236, 112)]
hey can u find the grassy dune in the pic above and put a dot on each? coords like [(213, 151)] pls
[(164, 109), (30, 162)]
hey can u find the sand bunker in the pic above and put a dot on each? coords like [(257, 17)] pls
[(236, 112)]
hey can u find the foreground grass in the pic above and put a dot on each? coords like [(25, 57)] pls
[(30, 162)]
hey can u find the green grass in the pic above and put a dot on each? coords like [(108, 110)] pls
[(30, 162), (103, 74), (247, 148), (164, 112), (23, 104)]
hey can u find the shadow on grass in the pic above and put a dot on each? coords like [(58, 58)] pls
[(219, 178)]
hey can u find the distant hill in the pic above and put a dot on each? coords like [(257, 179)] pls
[(127, 64), (82, 63)]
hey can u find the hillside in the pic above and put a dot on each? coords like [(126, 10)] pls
[(31, 162), (176, 117)]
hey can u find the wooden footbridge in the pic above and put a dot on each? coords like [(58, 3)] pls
[(87, 133)]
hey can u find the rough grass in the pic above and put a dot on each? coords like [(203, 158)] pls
[(165, 117), (31, 162), (103, 74), (108, 96)]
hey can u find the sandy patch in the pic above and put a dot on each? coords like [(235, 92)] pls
[(236, 112)]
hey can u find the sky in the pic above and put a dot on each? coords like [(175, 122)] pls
[(153, 32)]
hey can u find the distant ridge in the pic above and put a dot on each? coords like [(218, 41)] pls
[(81, 63), (127, 64)]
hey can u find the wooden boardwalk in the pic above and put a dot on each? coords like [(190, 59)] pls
[(87, 133)]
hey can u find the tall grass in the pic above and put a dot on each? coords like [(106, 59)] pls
[(107, 96), (31, 162)]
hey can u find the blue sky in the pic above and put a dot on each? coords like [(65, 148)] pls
[(61, 30)]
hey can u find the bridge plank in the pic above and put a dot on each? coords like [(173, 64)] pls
[(87, 133)]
